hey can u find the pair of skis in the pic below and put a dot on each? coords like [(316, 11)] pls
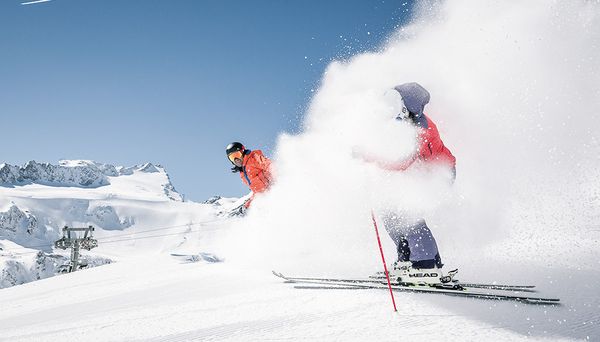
[(475, 290)]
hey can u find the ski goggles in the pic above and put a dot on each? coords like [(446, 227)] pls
[(236, 154)]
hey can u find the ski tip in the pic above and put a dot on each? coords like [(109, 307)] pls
[(280, 275), (277, 274)]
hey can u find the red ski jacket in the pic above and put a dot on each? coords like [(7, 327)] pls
[(256, 173), (431, 147), (431, 150)]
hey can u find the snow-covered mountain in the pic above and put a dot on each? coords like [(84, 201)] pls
[(79, 173), (67, 173), (38, 199)]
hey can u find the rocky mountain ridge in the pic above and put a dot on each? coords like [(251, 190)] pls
[(79, 173)]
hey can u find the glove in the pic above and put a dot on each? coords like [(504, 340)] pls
[(236, 169)]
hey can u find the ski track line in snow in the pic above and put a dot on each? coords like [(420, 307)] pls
[(323, 327), (244, 328), (256, 329)]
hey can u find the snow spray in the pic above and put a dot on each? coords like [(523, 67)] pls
[(517, 112)]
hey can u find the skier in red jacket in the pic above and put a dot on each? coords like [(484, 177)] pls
[(416, 246), (254, 168)]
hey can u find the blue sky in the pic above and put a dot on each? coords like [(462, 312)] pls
[(171, 82)]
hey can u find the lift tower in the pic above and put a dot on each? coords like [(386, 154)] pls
[(71, 239)]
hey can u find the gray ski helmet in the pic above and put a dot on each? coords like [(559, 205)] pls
[(415, 97), (234, 147)]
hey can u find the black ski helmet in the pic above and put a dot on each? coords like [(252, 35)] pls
[(234, 147)]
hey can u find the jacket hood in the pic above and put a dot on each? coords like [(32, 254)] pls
[(415, 97)]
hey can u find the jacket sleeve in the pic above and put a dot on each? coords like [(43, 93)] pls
[(389, 166)]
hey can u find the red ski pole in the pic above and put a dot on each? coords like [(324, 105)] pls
[(387, 275)]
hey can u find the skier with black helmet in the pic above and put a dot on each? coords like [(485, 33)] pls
[(254, 169)]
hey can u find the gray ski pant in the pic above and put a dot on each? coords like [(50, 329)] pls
[(414, 240)]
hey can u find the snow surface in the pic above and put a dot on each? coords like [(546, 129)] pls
[(176, 277), (514, 94), (158, 298)]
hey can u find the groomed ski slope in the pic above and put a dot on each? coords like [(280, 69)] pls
[(200, 277), (162, 298)]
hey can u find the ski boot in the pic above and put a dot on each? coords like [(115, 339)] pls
[(403, 273)]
